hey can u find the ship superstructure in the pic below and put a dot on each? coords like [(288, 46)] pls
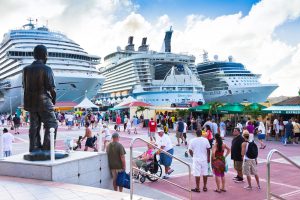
[(74, 69), (158, 78)]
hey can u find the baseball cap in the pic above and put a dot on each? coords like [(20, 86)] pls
[(159, 130)]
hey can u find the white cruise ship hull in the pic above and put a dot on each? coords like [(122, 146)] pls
[(69, 87), (161, 98), (241, 94)]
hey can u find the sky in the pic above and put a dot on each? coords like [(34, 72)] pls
[(263, 35)]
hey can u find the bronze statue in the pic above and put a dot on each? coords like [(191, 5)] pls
[(39, 99)]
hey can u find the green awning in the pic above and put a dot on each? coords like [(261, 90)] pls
[(292, 110)]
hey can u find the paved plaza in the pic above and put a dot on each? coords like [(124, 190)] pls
[(285, 179)]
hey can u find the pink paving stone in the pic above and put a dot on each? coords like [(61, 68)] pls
[(284, 184)]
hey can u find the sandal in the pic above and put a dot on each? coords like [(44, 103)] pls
[(264, 146), (205, 189), (218, 191), (223, 190), (196, 190)]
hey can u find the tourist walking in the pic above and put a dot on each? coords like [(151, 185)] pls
[(288, 132), (218, 162), (116, 159), (236, 156), (179, 131), (268, 129), (296, 130), (222, 129), (135, 124), (199, 149), (250, 128), (107, 136), (209, 135), (261, 134), (249, 153), (152, 129), (118, 123), (90, 140), (7, 139), (164, 142), (276, 128), (17, 123)]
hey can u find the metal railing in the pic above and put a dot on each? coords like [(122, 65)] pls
[(146, 173), (269, 193)]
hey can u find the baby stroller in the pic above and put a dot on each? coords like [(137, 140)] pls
[(153, 167)]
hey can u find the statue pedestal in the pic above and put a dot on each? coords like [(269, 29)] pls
[(83, 168)]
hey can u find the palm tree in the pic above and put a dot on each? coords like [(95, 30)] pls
[(214, 108), (141, 109), (183, 112)]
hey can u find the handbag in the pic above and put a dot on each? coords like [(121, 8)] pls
[(123, 180)]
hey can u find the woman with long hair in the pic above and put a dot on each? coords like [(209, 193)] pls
[(209, 134), (218, 162)]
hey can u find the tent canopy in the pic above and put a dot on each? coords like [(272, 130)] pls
[(86, 103)]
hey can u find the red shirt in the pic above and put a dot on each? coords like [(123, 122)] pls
[(152, 126), (118, 120)]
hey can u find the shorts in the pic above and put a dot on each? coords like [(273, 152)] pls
[(238, 165), (249, 167), (165, 159), (89, 142), (200, 168), (222, 133), (16, 125), (261, 136), (179, 134), (140, 163), (114, 174), (151, 134)]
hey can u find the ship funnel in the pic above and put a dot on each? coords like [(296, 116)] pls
[(144, 46), (167, 40), (230, 58), (130, 45)]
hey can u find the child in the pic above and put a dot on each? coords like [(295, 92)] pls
[(128, 126), (107, 136)]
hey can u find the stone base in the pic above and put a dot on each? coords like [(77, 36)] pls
[(83, 168), (44, 155)]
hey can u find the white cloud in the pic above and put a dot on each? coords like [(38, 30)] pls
[(101, 26)]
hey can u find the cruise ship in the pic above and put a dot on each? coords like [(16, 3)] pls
[(231, 82), (74, 69), (158, 78)]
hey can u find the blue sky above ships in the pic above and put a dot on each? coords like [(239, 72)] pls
[(177, 10)]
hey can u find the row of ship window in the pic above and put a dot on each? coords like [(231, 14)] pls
[(52, 54)]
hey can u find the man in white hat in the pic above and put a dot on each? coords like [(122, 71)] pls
[(164, 143)]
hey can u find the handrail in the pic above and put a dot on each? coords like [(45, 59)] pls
[(131, 169), (269, 194)]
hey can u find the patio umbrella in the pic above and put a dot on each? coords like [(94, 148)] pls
[(235, 108), (256, 106), (201, 108)]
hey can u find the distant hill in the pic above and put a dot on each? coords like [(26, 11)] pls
[(274, 100)]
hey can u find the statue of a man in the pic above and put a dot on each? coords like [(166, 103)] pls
[(39, 99)]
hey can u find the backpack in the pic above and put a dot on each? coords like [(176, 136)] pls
[(252, 151)]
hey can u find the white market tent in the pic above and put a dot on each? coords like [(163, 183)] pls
[(129, 99), (86, 103)]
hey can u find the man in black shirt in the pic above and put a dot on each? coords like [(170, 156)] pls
[(236, 154)]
